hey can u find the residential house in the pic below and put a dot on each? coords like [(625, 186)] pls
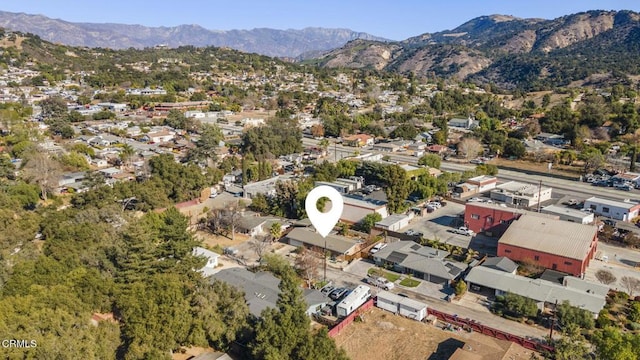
[(553, 244), (476, 185), (159, 136), (618, 210), (386, 147), (261, 290), (212, 260), (421, 262), (265, 187), (339, 246), (462, 123), (437, 149), (358, 140), (252, 225)]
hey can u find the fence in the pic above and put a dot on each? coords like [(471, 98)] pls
[(349, 319), (489, 331)]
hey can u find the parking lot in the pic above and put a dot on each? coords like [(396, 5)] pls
[(439, 224)]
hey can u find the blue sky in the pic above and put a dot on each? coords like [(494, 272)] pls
[(396, 20)]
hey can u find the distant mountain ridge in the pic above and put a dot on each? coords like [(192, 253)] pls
[(271, 42), (508, 51)]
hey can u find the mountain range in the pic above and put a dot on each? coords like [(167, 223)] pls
[(271, 42), (590, 48), (511, 52)]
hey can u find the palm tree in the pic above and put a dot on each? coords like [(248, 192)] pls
[(127, 153), (324, 145)]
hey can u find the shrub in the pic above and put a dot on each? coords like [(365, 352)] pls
[(633, 326)]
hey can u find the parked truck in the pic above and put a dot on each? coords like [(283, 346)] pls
[(354, 300)]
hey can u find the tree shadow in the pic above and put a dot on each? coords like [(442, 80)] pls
[(628, 262), (446, 349)]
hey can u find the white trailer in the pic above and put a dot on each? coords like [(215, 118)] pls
[(388, 301), (413, 309), (401, 305), (354, 300)]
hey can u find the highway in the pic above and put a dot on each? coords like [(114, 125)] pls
[(579, 190)]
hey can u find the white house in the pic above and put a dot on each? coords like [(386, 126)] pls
[(618, 210), (460, 123), (212, 260), (394, 222), (160, 136)]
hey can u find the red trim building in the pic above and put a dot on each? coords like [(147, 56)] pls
[(491, 219), (554, 244)]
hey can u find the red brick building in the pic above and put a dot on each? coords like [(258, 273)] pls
[(554, 244), (491, 219)]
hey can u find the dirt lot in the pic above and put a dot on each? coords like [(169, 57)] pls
[(383, 335), (211, 240)]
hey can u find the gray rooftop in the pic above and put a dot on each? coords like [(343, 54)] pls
[(561, 210), (562, 238), (391, 219), (587, 296), (500, 263), (334, 243), (411, 255), (261, 289)]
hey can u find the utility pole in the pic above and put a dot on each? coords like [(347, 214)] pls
[(325, 261), (539, 193), (553, 321)]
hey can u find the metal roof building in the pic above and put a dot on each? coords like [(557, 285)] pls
[(554, 244)]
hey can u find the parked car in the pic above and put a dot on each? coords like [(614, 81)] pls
[(381, 283), (475, 199), (338, 293), (410, 232), (463, 230), (327, 289), (609, 222), (435, 204), (377, 247)]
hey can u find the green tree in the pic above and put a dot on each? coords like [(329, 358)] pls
[(369, 222), (515, 148), (461, 288), (156, 315), (520, 305), (275, 230), (592, 159), (571, 346), (571, 315), (430, 160), (611, 343), (397, 189)]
